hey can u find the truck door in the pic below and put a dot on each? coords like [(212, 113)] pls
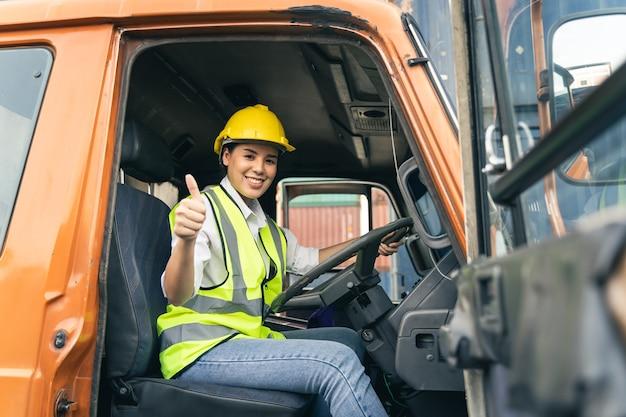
[(539, 317), (54, 109)]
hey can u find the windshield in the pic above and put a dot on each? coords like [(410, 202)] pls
[(557, 53)]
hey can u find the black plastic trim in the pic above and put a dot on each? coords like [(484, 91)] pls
[(478, 145), (504, 105)]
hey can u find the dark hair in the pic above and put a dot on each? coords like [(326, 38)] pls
[(230, 146)]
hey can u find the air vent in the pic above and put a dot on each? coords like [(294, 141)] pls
[(371, 118), (181, 146)]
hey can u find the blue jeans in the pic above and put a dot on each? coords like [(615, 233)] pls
[(342, 335), (303, 363)]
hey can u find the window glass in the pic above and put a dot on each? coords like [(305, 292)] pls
[(435, 25), (592, 180), (582, 47), (497, 228), (425, 205), (23, 76), (573, 31), (322, 220)]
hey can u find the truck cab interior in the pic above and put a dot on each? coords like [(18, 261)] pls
[(332, 96)]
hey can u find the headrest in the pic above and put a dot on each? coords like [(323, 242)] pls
[(145, 155)]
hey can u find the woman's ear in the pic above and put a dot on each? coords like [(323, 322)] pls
[(226, 156)]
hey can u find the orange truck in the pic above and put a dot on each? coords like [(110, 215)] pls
[(465, 117), (83, 80)]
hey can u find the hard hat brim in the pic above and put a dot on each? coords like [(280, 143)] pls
[(284, 147)]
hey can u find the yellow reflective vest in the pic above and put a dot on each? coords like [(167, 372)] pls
[(235, 308)]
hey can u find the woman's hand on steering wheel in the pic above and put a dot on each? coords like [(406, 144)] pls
[(390, 244)]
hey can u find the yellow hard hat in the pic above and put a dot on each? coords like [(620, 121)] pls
[(251, 124)]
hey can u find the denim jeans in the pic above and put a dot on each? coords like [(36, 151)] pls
[(342, 335), (303, 363)]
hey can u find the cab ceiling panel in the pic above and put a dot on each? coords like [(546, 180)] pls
[(330, 98), (354, 94), (274, 73)]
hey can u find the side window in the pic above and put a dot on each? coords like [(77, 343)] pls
[(23, 77), (435, 24), (425, 206), (547, 81), (421, 207), (322, 220)]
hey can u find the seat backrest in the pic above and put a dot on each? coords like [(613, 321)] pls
[(139, 251), (140, 248)]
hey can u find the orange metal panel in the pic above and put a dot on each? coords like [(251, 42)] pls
[(33, 12), (49, 267)]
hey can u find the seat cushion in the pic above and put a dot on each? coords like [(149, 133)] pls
[(172, 398)]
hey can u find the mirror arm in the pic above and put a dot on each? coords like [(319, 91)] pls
[(568, 78), (543, 89)]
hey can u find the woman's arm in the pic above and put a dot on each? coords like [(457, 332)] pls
[(179, 273), (384, 249)]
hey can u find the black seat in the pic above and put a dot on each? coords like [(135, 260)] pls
[(140, 247)]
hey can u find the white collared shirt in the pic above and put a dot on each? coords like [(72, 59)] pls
[(209, 266)]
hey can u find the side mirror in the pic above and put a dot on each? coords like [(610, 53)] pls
[(583, 52)]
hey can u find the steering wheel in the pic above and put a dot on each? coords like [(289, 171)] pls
[(366, 249)]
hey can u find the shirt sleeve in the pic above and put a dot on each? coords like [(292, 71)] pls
[(202, 251), (300, 259)]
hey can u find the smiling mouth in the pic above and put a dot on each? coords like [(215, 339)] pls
[(255, 180)]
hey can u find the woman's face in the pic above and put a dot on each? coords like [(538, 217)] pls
[(251, 168)]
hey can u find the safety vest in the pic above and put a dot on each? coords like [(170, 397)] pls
[(235, 308)]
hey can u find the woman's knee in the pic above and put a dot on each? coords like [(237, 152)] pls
[(343, 357)]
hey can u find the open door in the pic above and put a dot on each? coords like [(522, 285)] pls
[(541, 314)]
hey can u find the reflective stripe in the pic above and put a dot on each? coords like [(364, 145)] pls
[(230, 237), (240, 301), (192, 332), (205, 304), (278, 244)]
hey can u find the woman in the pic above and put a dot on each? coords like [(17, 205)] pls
[(227, 265)]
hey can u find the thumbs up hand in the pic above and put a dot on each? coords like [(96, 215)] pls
[(190, 213)]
